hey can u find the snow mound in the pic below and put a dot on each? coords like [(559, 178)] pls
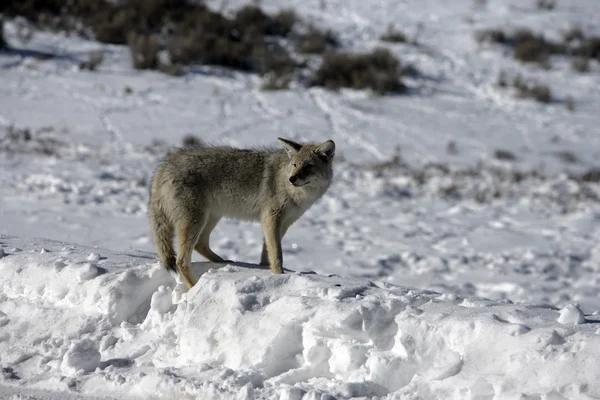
[(81, 356), (128, 331), (352, 338), (62, 276), (571, 314)]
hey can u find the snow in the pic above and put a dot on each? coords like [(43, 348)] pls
[(242, 331), (445, 274), (81, 356), (571, 314)]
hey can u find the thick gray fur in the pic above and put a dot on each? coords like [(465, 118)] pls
[(193, 188)]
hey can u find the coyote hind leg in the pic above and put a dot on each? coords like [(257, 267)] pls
[(188, 235), (202, 247)]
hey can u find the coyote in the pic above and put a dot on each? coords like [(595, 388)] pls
[(193, 188)]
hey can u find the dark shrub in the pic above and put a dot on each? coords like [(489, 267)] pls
[(284, 22), (409, 70), (276, 82), (238, 44), (377, 70), (589, 47), (530, 51), (2, 40), (547, 5), (527, 46), (519, 83), (144, 50), (504, 155), (252, 17), (572, 34), (566, 156), (315, 41), (502, 79), (393, 163), (536, 91), (541, 93), (593, 176), (580, 64), (570, 103), (31, 9), (187, 30), (393, 35), (113, 21), (210, 49), (452, 148), (492, 36), (23, 141), (113, 30), (272, 58), (191, 141)]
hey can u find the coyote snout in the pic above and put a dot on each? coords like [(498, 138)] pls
[(194, 188)]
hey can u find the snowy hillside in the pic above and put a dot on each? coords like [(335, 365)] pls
[(89, 321), (456, 192)]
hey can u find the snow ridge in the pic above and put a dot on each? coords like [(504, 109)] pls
[(129, 331)]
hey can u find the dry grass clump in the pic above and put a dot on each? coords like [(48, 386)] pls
[(22, 141), (378, 70), (532, 90), (530, 47), (527, 90), (526, 45)]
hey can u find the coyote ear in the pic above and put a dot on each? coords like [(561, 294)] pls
[(326, 150), (291, 148)]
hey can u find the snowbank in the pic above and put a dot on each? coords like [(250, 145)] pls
[(128, 331)]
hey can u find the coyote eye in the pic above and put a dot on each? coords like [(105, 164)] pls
[(294, 165)]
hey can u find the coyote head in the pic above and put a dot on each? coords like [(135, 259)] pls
[(310, 164)]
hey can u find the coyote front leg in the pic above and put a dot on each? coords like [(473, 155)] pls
[(264, 257), (273, 231)]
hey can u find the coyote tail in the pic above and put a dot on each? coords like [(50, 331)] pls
[(163, 238)]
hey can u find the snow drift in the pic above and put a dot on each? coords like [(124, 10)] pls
[(88, 321)]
